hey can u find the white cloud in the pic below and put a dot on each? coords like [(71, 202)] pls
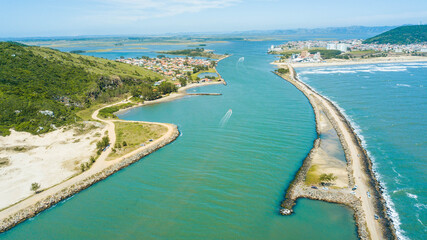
[(132, 10)]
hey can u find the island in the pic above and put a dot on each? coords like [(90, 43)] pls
[(194, 52)]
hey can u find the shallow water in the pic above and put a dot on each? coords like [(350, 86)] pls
[(219, 179), (387, 104)]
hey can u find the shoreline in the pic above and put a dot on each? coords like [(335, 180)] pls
[(182, 92), (340, 62), (27, 208), (359, 170)]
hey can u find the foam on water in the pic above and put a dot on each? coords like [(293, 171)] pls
[(361, 69), (412, 196), (394, 216), (403, 85)]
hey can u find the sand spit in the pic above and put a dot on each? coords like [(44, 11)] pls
[(366, 201), (68, 191), (29, 207)]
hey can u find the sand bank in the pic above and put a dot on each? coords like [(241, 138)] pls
[(29, 207), (365, 205), (341, 62), (47, 159)]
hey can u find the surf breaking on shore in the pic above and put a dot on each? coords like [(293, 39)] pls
[(370, 213)]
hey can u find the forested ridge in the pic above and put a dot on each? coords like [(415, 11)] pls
[(42, 89), (401, 35)]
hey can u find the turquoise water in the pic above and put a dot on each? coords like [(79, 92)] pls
[(223, 178), (387, 104)]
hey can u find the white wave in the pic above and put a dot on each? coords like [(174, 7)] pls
[(403, 85), (421, 206), (419, 220), (391, 210), (396, 179), (357, 69), (412, 196)]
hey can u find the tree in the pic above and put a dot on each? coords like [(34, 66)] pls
[(183, 82), (283, 70), (35, 186), (167, 87), (327, 177)]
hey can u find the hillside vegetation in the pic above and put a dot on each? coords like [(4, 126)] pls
[(42, 89), (196, 52), (401, 35)]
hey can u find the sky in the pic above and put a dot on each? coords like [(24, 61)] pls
[(46, 18)]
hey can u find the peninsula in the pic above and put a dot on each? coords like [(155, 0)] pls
[(320, 178), (69, 121)]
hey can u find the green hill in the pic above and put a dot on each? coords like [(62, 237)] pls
[(42, 88), (401, 35)]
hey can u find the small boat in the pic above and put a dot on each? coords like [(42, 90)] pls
[(285, 211)]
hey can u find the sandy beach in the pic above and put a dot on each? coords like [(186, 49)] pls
[(366, 200), (47, 159), (342, 62), (28, 207), (67, 175)]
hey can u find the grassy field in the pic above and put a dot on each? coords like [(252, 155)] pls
[(194, 75), (109, 111), (312, 176), (96, 65), (131, 136)]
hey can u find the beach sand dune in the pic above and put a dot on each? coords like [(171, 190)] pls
[(47, 159)]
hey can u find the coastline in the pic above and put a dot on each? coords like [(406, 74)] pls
[(359, 169), (342, 62), (182, 92), (101, 169)]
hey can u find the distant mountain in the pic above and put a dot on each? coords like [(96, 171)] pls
[(401, 35), (330, 33), (352, 32)]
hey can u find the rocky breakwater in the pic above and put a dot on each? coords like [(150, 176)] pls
[(298, 189), (26, 213)]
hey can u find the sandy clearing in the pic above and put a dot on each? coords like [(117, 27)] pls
[(47, 159), (324, 155), (97, 167)]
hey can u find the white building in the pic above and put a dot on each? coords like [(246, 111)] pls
[(331, 46), (342, 47)]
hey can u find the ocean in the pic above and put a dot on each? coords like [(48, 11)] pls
[(387, 105), (226, 175)]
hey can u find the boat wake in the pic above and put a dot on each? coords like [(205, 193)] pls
[(226, 117)]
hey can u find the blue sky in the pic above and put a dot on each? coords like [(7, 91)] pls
[(28, 18)]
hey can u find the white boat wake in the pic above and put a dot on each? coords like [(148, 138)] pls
[(226, 117)]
